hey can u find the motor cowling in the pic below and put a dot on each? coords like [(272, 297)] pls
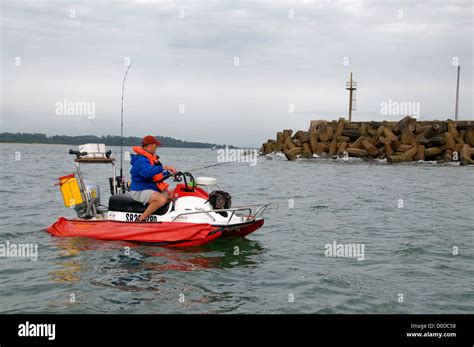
[(220, 200)]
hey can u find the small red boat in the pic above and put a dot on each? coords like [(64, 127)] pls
[(196, 216)]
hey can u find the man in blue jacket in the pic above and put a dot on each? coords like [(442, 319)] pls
[(148, 175)]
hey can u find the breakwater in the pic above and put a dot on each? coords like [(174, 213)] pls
[(400, 141)]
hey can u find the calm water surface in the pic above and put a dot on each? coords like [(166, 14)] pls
[(282, 268)]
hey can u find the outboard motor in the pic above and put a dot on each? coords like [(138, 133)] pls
[(74, 198), (89, 210), (220, 200), (93, 190)]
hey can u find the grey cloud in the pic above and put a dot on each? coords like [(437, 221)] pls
[(190, 61)]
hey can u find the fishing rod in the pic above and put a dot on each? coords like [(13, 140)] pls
[(122, 183), (208, 166), (212, 165), (179, 173)]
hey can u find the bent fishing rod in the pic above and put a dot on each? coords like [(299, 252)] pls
[(121, 129)]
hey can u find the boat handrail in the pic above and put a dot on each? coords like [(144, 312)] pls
[(258, 212)]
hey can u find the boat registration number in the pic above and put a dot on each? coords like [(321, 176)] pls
[(133, 217)]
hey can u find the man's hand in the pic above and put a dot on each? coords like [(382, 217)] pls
[(170, 169), (170, 195)]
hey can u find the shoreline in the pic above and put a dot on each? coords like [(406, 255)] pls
[(75, 145)]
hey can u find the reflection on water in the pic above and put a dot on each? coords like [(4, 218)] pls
[(69, 272), (149, 273), (132, 267)]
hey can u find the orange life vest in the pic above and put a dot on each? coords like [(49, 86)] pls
[(153, 158)]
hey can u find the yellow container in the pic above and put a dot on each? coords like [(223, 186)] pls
[(70, 190)]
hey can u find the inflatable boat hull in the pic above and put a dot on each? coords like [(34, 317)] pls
[(163, 233), (169, 234)]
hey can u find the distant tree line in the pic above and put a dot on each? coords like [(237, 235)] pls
[(108, 140)]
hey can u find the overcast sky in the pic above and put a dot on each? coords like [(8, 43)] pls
[(185, 81)]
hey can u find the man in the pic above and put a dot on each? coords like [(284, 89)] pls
[(148, 175)]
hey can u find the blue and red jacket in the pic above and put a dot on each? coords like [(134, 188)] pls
[(144, 174)]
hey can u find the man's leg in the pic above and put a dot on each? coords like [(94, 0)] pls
[(155, 202)]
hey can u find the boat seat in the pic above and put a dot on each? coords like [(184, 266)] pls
[(125, 203)]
